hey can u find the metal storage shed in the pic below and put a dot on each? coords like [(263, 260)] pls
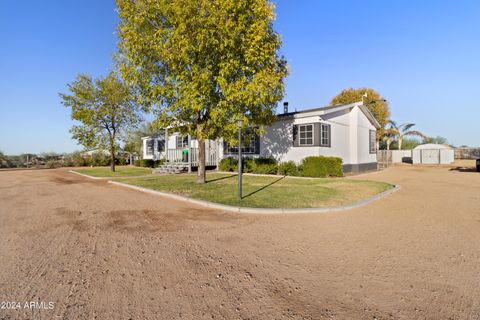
[(431, 153)]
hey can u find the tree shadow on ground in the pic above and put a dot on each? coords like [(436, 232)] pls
[(464, 169), (262, 188)]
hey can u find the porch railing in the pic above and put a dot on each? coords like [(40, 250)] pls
[(189, 156)]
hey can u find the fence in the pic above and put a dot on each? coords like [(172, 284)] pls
[(386, 158), (467, 153), (190, 156)]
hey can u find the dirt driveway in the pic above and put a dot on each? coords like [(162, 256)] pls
[(97, 251)]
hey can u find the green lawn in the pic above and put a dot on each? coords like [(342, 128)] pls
[(266, 192), (120, 171)]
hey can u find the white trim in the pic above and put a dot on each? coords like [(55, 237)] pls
[(300, 144)]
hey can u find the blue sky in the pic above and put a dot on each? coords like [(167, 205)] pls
[(422, 56)]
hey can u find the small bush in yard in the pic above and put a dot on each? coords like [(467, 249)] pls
[(121, 161), (247, 165), (52, 164), (265, 166), (100, 160), (265, 169), (288, 168), (148, 163), (228, 164), (322, 167)]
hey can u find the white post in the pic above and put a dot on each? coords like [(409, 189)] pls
[(166, 147), (189, 155)]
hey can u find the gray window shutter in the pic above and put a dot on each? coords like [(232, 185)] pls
[(317, 134), (257, 144), (161, 145), (329, 127), (226, 147), (296, 137)]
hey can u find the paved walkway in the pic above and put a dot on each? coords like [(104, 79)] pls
[(102, 251)]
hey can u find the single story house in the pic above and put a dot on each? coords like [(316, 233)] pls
[(346, 131)]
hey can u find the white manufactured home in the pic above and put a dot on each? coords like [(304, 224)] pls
[(344, 131)]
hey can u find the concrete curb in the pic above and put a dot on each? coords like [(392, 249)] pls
[(212, 205), (87, 176)]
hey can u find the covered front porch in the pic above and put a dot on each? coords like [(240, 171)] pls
[(178, 152)]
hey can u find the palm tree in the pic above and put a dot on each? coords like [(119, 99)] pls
[(401, 131), (388, 136)]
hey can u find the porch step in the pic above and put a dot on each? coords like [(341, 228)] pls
[(171, 168)]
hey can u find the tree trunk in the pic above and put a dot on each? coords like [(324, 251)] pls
[(388, 144), (112, 159), (400, 143), (201, 174), (112, 154)]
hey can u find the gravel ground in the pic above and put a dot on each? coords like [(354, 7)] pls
[(97, 251)]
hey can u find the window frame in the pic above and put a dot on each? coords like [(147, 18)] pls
[(372, 141), (250, 149), (328, 137), (312, 137), (183, 142), (161, 143), (149, 146)]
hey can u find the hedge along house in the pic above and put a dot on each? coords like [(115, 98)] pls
[(344, 131)]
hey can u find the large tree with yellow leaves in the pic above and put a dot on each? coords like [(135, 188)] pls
[(203, 64), (374, 102)]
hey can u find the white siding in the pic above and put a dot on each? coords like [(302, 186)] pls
[(350, 137), (144, 150), (363, 137)]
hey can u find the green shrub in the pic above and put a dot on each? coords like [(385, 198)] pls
[(121, 161), (100, 160), (88, 161), (322, 167), (265, 166), (76, 159), (148, 163), (260, 161), (51, 164), (288, 168), (248, 165), (67, 162), (228, 164)]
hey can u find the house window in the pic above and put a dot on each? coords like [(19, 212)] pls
[(373, 141), (325, 135), (150, 146), (306, 134), (182, 142), (160, 145), (250, 144)]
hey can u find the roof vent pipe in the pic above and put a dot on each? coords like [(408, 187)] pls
[(285, 107)]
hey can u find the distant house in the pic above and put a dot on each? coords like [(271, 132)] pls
[(345, 131)]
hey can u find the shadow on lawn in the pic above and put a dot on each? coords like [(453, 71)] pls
[(221, 178), (262, 188)]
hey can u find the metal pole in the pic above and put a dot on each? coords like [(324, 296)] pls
[(239, 159)]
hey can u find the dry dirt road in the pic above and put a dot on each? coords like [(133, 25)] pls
[(98, 251)]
